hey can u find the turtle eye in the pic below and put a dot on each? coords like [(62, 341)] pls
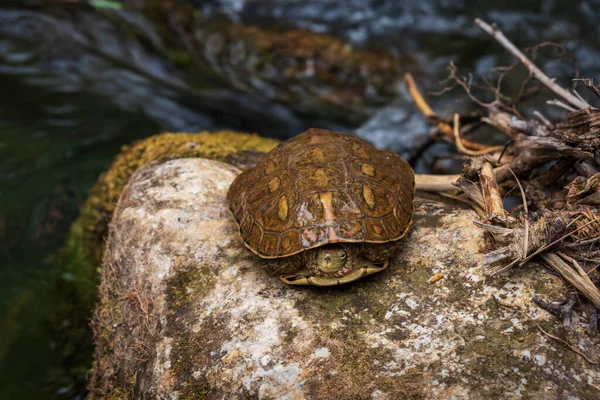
[(342, 253)]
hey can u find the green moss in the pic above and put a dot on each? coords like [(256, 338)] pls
[(333, 303), (360, 304), (189, 282), (493, 307), (494, 356), (186, 285), (119, 394), (355, 372), (482, 348), (549, 286), (461, 291), (290, 334), (419, 278)]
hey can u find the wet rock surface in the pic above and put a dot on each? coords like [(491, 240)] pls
[(186, 312), (436, 30)]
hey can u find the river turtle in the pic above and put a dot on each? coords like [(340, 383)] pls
[(324, 208)]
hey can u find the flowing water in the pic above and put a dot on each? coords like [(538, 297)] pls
[(73, 90)]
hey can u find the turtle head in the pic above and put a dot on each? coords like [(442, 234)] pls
[(330, 260), (332, 265)]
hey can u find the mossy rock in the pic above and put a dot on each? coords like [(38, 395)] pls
[(78, 269), (233, 147), (186, 311)]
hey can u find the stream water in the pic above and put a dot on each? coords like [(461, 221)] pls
[(72, 92)]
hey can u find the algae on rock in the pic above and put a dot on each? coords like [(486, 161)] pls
[(185, 311)]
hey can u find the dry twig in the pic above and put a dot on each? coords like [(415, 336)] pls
[(435, 183), (526, 219), (417, 97), (491, 193), (544, 120), (461, 147), (581, 283), (562, 105), (537, 73), (589, 83), (442, 126), (545, 157)]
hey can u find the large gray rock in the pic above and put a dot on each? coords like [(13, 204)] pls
[(186, 312)]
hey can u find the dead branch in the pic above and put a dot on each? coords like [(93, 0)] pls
[(530, 128), (491, 193), (526, 220), (501, 120), (473, 191), (442, 126), (461, 147), (586, 169), (581, 130), (589, 83), (564, 310), (417, 97), (549, 125), (435, 183), (560, 104), (543, 160), (466, 84), (533, 69), (575, 278)]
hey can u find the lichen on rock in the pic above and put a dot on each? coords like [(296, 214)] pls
[(186, 312)]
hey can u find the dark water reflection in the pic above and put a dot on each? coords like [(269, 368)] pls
[(74, 88), (435, 33)]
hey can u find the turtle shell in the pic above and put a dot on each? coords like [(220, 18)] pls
[(322, 187)]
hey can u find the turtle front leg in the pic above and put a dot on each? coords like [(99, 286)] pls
[(296, 279), (364, 268)]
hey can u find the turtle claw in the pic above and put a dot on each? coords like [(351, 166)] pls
[(299, 279), (295, 279), (373, 268)]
